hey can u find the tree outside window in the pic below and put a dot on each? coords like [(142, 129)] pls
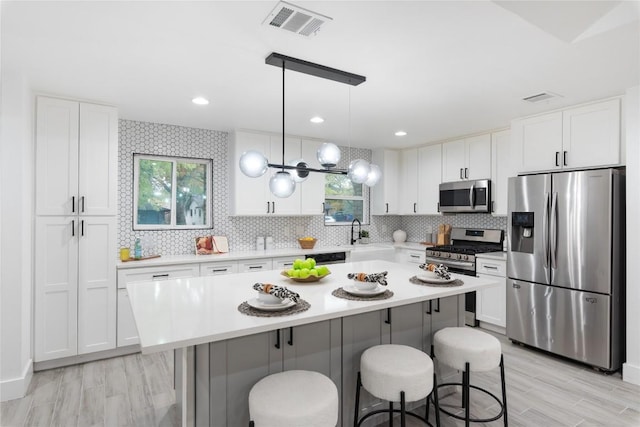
[(171, 192)]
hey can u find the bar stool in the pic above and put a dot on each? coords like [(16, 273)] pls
[(293, 399), (470, 350), (396, 373)]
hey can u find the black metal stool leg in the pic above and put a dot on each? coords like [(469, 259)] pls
[(504, 392), (467, 411), (390, 414), (251, 424), (436, 404), (357, 409), (464, 399), (403, 421)]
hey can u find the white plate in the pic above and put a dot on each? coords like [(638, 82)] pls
[(364, 293), (427, 278), (257, 304)]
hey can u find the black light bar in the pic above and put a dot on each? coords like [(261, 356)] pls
[(316, 70)]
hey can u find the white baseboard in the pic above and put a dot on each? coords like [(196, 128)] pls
[(630, 373), (16, 388)]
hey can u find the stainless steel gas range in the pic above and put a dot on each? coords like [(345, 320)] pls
[(460, 257)]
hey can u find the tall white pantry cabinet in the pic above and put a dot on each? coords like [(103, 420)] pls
[(75, 231)]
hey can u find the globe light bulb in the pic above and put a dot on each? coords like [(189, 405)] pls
[(358, 171), (282, 184), (253, 164), (299, 176), (328, 155), (374, 175)]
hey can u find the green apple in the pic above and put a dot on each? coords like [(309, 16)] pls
[(294, 273), (312, 262), (323, 270), (297, 264), (304, 273), (307, 264), (313, 272), (291, 272)]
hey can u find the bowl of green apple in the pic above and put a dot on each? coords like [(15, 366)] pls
[(306, 270)]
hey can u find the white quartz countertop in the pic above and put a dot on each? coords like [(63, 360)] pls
[(183, 312), (411, 245), (500, 256), (231, 256)]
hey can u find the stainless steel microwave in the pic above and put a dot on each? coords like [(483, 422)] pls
[(472, 196)]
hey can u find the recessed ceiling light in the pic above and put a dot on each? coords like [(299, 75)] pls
[(401, 133), (200, 101), (316, 119)]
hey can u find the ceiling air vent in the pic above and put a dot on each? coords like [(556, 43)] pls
[(295, 19), (544, 96)]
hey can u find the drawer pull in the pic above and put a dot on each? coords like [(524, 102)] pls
[(255, 267), (287, 264), (414, 256), (158, 276), (219, 270), (490, 267)]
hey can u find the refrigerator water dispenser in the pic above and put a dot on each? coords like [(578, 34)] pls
[(522, 232)]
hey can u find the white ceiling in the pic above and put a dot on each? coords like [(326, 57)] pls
[(436, 69)]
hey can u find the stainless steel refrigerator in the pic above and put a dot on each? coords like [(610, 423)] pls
[(565, 264)]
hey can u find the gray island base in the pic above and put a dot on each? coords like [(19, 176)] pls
[(221, 353)]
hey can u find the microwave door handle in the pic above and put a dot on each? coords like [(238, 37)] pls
[(472, 201), (545, 230), (554, 231)]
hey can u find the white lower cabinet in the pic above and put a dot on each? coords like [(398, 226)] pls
[(411, 256), (218, 268), (127, 331), (75, 293), (250, 265), (491, 304), (236, 365)]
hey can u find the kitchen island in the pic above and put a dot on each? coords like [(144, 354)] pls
[(221, 352)]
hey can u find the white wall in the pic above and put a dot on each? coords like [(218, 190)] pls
[(16, 228), (631, 369)]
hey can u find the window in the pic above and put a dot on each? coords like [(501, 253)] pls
[(171, 192), (344, 201)]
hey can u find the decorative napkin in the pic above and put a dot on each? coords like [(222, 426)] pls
[(277, 291), (381, 278), (441, 270)]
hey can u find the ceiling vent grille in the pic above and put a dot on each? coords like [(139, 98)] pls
[(295, 19), (544, 96)]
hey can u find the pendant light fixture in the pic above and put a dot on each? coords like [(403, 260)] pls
[(283, 183)]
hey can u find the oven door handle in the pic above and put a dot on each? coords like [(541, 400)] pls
[(451, 263)]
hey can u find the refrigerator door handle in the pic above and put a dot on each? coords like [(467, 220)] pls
[(472, 201), (554, 231), (545, 228)]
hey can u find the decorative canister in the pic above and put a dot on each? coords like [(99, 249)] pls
[(399, 236)]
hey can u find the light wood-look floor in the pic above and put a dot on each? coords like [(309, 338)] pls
[(137, 390)]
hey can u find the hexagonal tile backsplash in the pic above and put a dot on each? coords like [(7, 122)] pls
[(170, 140)]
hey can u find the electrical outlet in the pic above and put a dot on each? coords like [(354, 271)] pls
[(286, 231)]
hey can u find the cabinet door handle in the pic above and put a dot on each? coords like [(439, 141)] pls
[(159, 276), (273, 207), (82, 228), (268, 207), (414, 207), (255, 267), (438, 207), (493, 206), (557, 154), (461, 177), (73, 204), (437, 309), (388, 321), (290, 342), (73, 228), (387, 206), (277, 339), (82, 202), (429, 309), (466, 172), (564, 158)]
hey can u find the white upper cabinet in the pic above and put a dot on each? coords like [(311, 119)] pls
[(501, 170), (76, 158), (384, 195), (591, 135), (429, 178), (579, 137), (251, 196), (409, 182), (468, 158), (312, 189)]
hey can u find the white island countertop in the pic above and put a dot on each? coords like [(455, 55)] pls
[(184, 312)]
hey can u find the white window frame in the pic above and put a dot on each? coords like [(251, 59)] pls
[(365, 206), (174, 176)]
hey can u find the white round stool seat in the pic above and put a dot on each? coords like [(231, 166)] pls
[(456, 346), (294, 399), (388, 369)]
